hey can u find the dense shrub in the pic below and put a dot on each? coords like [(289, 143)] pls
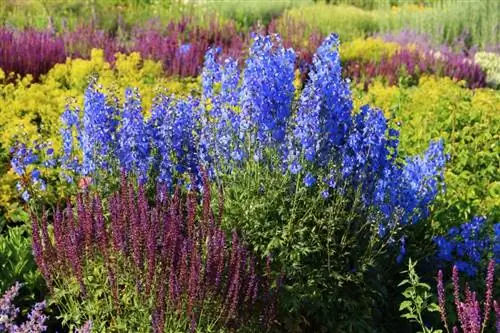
[(180, 45), (305, 176), (468, 122)]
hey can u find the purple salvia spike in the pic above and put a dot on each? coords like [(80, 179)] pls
[(151, 249), (135, 228), (442, 299), (488, 297), (194, 280), (38, 250), (85, 222), (456, 291), (191, 213), (75, 248), (59, 237), (49, 251), (221, 240), (496, 307)]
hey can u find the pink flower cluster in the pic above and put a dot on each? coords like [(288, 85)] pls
[(470, 318)]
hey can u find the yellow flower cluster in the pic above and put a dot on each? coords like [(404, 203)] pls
[(369, 49)]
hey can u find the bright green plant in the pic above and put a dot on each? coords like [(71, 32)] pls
[(418, 299), (369, 49), (17, 264)]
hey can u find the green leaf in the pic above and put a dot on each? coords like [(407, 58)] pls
[(404, 305)]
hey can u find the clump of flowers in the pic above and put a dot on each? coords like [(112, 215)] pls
[(469, 245), (9, 312), (471, 318), (411, 64), (171, 255), (254, 115)]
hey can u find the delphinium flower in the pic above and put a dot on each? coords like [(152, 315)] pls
[(468, 245), (160, 132), (325, 106), (22, 158), (69, 162), (98, 130), (418, 183), (134, 146), (184, 136), (267, 92), (220, 133), (366, 154), (211, 73)]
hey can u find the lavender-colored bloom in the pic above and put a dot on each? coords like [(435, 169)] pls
[(36, 320), (8, 312)]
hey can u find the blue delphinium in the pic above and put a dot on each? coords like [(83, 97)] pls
[(69, 162), (267, 92), (469, 245), (325, 107), (98, 130), (160, 135), (220, 121), (133, 141), (184, 136), (211, 73), (365, 155)]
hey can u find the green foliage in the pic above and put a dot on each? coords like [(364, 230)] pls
[(115, 15), (347, 21), (444, 21), (418, 299), (17, 264), (468, 121), (98, 304), (326, 248), (490, 63)]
